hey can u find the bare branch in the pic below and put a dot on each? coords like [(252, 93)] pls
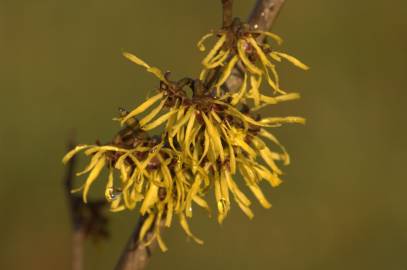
[(135, 255), (227, 7), (78, 240), (265, 13), (78, 234)]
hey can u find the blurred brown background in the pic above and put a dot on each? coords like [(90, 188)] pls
[(343, 204)]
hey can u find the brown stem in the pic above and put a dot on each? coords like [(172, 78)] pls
[(86, 219), (78, 234), (265, 13), (227, 7), (78, 239), (135, 255)]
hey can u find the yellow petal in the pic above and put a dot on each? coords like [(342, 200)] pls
[(146, 226), (200, 45), (264, 133), (116, 207), (140, 62), (246, 61), (92, 163), (293, 60), (92, 177), (159, 121), (275, 56), (203, 74), (166, 175), (232, 158), (214, 50), (218, 60), (180, 189), (279, 98), (135, 59), (202, 203), (189, 133), (225, 189), (275, 37), (161, 243), (185, 226), (73, 152), (181, 122), (264, 173), (109, 186), (75, 190), (254, 91), (144, 106), (180, 112), (266, 64), (135, 197), (206, 146), (259, 51), (190, 125), (173, 118), (245, 119), (246, 170), (214, 134), (278, 120), (239, 95), (288, 97), (146, 119), (268, 158), (240, 142), (239, 195), (227, 71), (170, 211), (216, 116), (158, 73), (150, 199), (276, 77), (248, 212), (218, 193), (192, 192), (273, 84), (260, 196), (104, 148)]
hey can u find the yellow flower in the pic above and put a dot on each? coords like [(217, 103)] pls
[(152, 176), (206, 145), (238, 44)]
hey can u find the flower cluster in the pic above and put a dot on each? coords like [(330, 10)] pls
[(237, 46), (209, 138)]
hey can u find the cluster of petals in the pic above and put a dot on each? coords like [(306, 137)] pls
[(208, 142)]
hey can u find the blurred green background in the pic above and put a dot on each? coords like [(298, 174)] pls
[(343, 204)]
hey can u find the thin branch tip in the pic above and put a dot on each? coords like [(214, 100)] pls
[(264, 14), (227, 7)]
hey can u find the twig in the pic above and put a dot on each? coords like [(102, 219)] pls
[(128, 257), (78, 240), (135, 255), (78, 234), (227, 7), (265, 13)]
